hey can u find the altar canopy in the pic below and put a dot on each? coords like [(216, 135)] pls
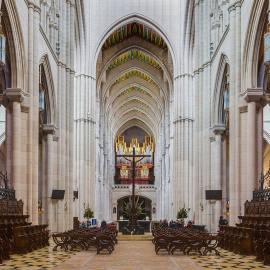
[(144, 168)]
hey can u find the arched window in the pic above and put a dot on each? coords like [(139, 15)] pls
[(225, 95)]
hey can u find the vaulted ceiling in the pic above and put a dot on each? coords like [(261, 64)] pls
[(134, 29), (134, 78)]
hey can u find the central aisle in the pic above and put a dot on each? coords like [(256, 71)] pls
[(129, 255)]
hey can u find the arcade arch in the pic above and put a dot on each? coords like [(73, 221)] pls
[(134, 86)]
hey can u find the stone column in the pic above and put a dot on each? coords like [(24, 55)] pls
[(33, 198), (14, 98), (49, 130), (252, 96), (217, 182)]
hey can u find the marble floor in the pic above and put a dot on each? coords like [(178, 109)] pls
[(44, 258), (128, 255)]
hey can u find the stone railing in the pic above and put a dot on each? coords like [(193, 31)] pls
[(121, 186), (141, 187), (147, 187)]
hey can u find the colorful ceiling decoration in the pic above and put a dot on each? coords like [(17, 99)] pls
[(134, 100), (134, 73), (134, 54), (134, 29), (134, 111), (134, 88)]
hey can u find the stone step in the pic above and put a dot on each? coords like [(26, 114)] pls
[(134, 237)]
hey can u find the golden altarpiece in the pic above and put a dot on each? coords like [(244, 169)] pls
[(144, 173)]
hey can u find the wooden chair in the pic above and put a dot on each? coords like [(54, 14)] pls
[(104, 242), (76, 240), (211, 243), (178, 242), (61, 240), (194, 243), (163, 242)]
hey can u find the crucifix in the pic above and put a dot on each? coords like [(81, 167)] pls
[(133, 224)]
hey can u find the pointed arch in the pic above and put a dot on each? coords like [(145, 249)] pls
[(132, 123), (217, 96), (154, 129), (252, 42), (51, 107), (133, 17), (17, 49)]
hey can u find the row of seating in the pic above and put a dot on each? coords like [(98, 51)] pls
[(30, 238), (257, 208), (11, 207), (254, 222), (252, 235), (24, 239), (17, 235), (236, 239), (185, 240), (84, 238)]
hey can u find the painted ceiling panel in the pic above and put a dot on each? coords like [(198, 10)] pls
[(134, 111), (132, 89), (134, 73), (134, 54), (134, 29), (134, 100)]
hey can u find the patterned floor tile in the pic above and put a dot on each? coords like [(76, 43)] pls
[(228, 260), (128, 255)]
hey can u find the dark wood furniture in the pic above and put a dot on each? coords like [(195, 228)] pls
[(85, 238), (185, 240), (251, 235)]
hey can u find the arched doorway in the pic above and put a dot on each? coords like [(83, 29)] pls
[(145, 203), (144, 219)]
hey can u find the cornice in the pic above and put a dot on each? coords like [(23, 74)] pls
[(49, 129), (184, 119), (85, 120), (219, 129)]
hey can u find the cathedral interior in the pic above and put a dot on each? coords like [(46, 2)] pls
[(135, 113)]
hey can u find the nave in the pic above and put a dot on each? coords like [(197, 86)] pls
[(128, 255)]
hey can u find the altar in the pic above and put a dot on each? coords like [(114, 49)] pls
[(143, 223)]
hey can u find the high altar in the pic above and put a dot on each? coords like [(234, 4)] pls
[(144, 173)]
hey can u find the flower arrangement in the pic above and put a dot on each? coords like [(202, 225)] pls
[(138, 207), (88, 213), (182, 213)]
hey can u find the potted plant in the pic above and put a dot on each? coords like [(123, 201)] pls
[(182, 213), (88, 214), (138, 207)]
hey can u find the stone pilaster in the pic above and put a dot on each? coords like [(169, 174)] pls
[(252, 96), (216, 183), (13, 100), (49, 131)]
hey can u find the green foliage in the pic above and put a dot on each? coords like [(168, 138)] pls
[(182, 213), (138, 207), (88, 213)]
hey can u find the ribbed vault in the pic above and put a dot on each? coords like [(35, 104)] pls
[(134, 80)]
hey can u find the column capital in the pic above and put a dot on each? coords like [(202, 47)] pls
[(49, 129), (15, 95), (219, 129), (253, 94)]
